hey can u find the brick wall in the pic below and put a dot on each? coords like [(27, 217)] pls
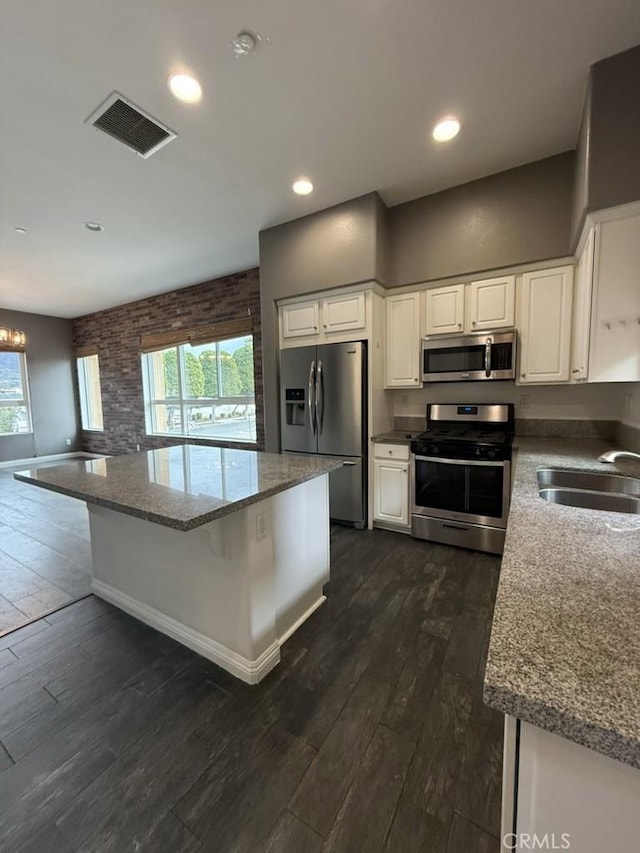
[(116, 333)]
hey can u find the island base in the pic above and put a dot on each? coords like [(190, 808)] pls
[(233, 590)]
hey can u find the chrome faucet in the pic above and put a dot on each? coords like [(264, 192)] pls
[(613, 455)]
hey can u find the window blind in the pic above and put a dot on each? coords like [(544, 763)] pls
[(197, 335)]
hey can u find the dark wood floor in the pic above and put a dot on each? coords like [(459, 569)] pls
[(45, 556), (371, 734)]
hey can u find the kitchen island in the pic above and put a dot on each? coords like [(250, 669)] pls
[(225, 550), (564, 659)]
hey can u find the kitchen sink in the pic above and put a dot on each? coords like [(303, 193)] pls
[(589, 480), (592, 500)]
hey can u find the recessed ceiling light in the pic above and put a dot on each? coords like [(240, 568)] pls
[(303, 186), (93, 226), (446, 129), (185, 88), (20, 230)]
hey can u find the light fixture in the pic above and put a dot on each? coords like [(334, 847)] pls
[(246, 42), (302, 186), (93, 226), (12, 337), (20, 230), (185, 88), (446, 129)]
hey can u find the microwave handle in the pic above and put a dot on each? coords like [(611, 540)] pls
[(487, 357)]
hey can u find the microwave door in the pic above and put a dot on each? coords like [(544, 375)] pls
[(447, 363)]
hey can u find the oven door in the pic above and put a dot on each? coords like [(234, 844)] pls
[(467, 490)]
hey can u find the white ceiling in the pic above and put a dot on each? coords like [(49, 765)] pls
[(346, 92)]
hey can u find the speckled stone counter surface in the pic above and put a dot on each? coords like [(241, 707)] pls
[(565, 643), (180, 487), (395, 436)]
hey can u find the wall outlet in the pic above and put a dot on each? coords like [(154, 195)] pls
[(137, 447), (524, 401), (261, 525), (68, 442)]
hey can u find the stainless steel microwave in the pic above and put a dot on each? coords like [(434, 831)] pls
[(468, 358)]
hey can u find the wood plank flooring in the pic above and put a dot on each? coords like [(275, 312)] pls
[(45, 557), (370, 735)]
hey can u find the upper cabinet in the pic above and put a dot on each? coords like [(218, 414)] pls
[(545, 325), (342, 313), (444, 310), (301, 319), (582, 312), (615, 318), (491, 304), (402, 341), (480, 306), (334, 317)]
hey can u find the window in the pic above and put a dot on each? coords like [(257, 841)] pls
[(90, 393), (202, 391), (15, 414)]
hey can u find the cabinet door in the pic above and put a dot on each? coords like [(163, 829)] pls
[(582, 312), (444, 310), (300, 319), (615, 327), (341, 313), (391, 491), (402, 341), (491, 303), (545, 329)]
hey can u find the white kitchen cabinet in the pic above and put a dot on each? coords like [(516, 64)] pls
[(615, 325), (300, 319), (581, 799), (545, 325), (341, 313), (491, 303), (444, 310), (582, 312), (402, 341), (391, 485)]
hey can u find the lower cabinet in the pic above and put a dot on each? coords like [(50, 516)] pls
[(391, 485), (564, 794)]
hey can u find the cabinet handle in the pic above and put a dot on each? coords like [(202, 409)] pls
[(473, 322), (459, 325), (522, 375), (404, 470), (576, 370), (315, 328), (325, 325)]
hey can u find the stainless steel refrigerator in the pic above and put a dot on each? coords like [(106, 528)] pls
[(323, 409)]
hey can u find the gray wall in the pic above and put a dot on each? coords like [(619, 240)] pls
[(337, 246), (608, 156), (518, 216), (50, 366)]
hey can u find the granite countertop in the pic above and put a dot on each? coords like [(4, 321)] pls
[(181, 487), (565, 643), (395, 436)]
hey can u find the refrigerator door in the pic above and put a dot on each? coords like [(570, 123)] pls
[(298, 368), (340, 404), (346, 492)]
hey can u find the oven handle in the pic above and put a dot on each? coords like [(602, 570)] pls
[(485, 462), (487, 358)]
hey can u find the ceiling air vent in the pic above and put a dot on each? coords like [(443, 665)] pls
[(130, 125)]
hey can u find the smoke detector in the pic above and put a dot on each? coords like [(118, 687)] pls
[(246, 42)]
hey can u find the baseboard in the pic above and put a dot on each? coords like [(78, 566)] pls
[(52, 457), (302, 619), (249, 671)]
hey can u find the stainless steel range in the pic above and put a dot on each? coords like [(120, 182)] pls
[(461, 476)]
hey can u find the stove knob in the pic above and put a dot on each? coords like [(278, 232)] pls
[(492, 453), (477, 451), (435, 450)]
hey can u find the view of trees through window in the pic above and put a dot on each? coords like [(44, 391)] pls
[(205, 390), (14, 407)]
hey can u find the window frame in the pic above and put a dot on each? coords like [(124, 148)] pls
[(84, 392), (25, 401), (182, 403)]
